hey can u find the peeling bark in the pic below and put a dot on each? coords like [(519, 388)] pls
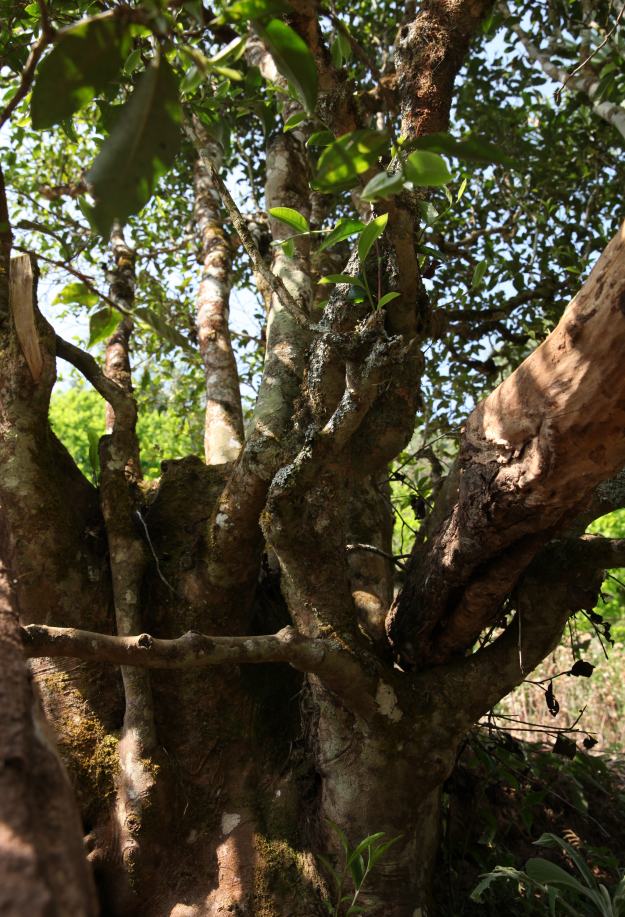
[(551, 430)]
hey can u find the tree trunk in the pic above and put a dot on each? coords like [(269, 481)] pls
[(219, 650)]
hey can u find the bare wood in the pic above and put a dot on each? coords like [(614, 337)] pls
[(532, 453), (23, 312)]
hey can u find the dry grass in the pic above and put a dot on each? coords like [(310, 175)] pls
[(603, 695)]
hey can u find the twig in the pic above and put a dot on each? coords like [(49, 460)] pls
[(158, 569), (394, 558), (558, 93), (275, 282)]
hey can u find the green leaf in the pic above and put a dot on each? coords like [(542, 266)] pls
[(372, 837), (381, 850), (234, 50), (387, 298), (102, 324), (462, 190), (253, 81), (228, 72), (35, 226), (108, 114), (332, 870), (344, 228), (372, 231), (347, 157), (528, 818), (342, 278), (382, 186), (288, 248), (478, 274), (292, 58), (141, 147), (335, 53), (294, 120), (191, 80), (552, 840), (81, 64), (132, 61), (67, 126), (500, 872), (535, 798), (429, 213), (355, 909), (156, 323), (553, 894), (514, 783), (321, 138), (290, 218), (94, 457), (432, 252), (344, 42), (77, 293), (357, 869), (253, 9), (338, 831), (427, 169), (474, 149), (549, 874)]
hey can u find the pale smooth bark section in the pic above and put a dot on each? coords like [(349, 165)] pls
[(585, 81), (23, 313), (223, 431)]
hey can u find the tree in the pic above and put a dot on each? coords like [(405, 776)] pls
[(219, 649)]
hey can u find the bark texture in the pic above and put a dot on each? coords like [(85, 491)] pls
[(223, 433), (43, 868), (532, 454), (258, 694)]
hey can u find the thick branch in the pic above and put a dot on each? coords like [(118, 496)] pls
[(113, 393), (192, 649), (428, 56), (533, 453), (339, 670)]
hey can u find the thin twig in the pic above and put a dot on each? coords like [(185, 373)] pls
[(557, 94), (394, 558), (158, 569)]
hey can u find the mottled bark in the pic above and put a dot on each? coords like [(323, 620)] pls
[(43, 867), (223, 431), (428, 55), (226, 770)]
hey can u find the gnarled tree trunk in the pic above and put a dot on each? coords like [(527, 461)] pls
[(222, 673)]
